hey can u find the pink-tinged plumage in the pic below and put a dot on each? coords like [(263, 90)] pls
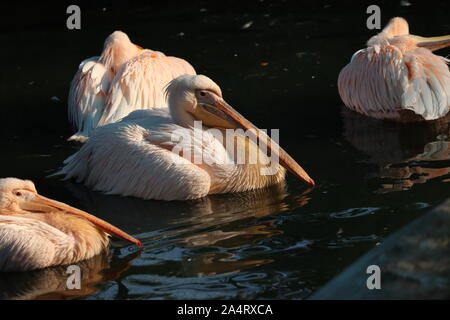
[(137, 157), (123, 79), (398, 77), (36, 232)]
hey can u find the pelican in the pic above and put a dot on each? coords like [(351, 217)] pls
[(124, 78), (37, 232), (137, 157), (397, 77)]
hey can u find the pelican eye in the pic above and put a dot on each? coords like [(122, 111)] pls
[(202, 93), (18, 193)]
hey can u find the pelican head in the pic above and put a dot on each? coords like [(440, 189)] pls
[(19, 197), (118, 49), (197, 98), (397, 33)]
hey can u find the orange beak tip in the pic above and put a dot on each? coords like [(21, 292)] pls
[(138, 243), (311, 182)]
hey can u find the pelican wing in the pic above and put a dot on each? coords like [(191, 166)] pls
[(29, 244), (122, 158), (380, 82), (428, 90), (87, 96), (140, 84)]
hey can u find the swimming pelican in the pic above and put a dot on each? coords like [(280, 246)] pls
[(36, 232), (397, 76), (123, 79), (137, 156)]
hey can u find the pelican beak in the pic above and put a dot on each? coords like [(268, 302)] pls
[(433, 43), (40, 204), (218, 113)]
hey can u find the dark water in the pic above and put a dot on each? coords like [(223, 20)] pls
[(284, 242)]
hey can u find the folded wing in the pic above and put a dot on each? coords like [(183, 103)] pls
[(140, 84), (381, 82), (123, 159), (87, 96), (28, 244)]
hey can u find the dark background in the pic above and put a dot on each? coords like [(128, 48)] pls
[(281, 72), (40, 55)]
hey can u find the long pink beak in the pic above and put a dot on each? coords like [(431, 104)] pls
[(284, 158)]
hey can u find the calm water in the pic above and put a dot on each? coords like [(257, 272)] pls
[(280, 72)]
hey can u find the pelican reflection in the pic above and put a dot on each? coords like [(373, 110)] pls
[(404, 154), (52, 283), (209, 229)]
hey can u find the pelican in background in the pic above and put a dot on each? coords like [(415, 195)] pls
[(134, 157), (36, 232), (124, 78), (397, 77)]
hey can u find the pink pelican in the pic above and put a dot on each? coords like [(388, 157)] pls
[(398, 77), (36, 232), (135, 157), (123, 79)]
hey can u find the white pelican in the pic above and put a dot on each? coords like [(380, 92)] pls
[(123, 79), (36, 232), (135, 157), (398, 77)]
